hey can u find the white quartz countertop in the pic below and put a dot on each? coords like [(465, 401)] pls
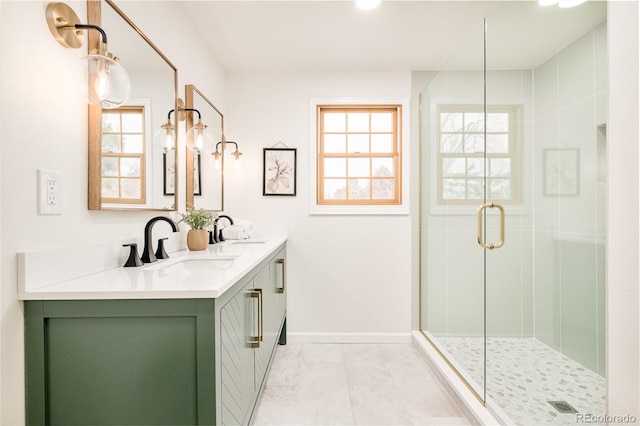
[(186, 274)]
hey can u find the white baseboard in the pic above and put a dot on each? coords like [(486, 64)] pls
[(382, 338)]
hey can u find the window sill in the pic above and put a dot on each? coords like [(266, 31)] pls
[(360, 210)]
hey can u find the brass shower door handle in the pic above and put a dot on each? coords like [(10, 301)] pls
[(481, 242)]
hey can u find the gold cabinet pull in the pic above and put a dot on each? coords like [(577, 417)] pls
[(481, 242), (260, 316), (254, 341), (281, 289)]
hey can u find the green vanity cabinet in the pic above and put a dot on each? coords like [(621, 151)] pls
[(191, 361)]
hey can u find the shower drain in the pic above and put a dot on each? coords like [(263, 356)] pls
[(562, 406)]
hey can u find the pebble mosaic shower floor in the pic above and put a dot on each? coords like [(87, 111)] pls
[(524, 374)]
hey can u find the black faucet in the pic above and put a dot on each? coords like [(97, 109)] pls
[(215, 236), (147, 255)]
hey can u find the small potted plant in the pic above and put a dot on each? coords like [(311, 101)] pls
[(199, 220)]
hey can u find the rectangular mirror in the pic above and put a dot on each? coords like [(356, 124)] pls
[(203, 173), (126, 169)]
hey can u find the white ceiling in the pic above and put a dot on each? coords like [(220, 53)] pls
[(333, 35)]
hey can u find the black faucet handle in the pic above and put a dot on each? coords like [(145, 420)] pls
[(133, 260), (160, 252)]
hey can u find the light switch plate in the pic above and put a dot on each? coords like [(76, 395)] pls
[(49, 192)]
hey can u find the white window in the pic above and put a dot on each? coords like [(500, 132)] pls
[(464, 165)]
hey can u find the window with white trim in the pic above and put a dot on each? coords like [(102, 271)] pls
[(462, 159)]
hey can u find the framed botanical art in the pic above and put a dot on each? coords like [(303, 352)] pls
[(169, 173), (279, 172), (197, 178), (562, 171)]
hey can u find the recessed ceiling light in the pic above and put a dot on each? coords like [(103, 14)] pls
[(368, 4), (570, 3)]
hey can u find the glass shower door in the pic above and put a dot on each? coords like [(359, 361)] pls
[(452, 266)]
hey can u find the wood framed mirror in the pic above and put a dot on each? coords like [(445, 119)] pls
[(203, 173), (127, 171)]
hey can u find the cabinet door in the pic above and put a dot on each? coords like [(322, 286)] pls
[(263, 351), (278, 284), (237, 326)]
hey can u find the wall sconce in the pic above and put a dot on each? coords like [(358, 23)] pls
[(198, 137), (218, 154), (108, 83)]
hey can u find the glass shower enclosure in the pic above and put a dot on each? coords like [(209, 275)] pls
[(513, 180)]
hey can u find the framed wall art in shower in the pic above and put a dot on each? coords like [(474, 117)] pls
[(561, 171), (279, 171)]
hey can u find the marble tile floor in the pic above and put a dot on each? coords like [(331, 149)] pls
[(354, 384), (524, 373)]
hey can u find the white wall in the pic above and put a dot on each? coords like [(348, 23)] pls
[(346, 274), (623, 295), (44, 125)]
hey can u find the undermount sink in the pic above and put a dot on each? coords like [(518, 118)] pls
[(194, 263), (248, 242)]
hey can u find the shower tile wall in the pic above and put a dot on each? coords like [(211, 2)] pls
[(569, 111)]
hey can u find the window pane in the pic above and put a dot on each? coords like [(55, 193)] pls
[(475, 167), (474, 143), (359, 167), (453, 167), (475, 189), (453, 189), (110, 122), (474, 121), (132, 144), (358, 122), (132, 123), (129, 167), (335, 121), (451, 122), (498, 143), (335, 167), (109, 188), (382, 189), (358, 143), (130, 188), (451, 142), (335, 189), (500, 189), (381, 143), (109, 166), (498, 122), (500, 167), (335, 144), (382, 122), (382, 167), (359, 189), (110, 143)]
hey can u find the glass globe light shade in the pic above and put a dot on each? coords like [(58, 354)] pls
[(108, 84), (199, 139), (164, 138)]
